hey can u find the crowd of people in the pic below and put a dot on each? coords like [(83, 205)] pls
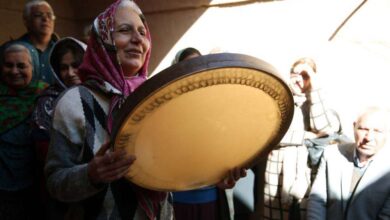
[(59, 98)]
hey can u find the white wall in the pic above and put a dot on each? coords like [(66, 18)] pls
[(353, 66)]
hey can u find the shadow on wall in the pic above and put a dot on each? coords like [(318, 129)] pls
[(165, 33)]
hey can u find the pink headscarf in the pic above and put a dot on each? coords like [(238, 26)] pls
[(100, 60), (101, 65)]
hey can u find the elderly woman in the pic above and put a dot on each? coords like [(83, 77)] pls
[(80, 167), (17, 158)]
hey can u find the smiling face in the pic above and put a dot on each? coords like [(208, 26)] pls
[(17, 69), (41, 20), (370, 134), (130, 38), (69, 69)]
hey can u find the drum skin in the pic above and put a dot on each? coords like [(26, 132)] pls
[(194, 121)]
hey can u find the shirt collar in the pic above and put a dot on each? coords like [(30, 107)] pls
[(357, 162), (54, 38)]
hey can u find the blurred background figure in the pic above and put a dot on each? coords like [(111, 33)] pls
[(283, 180), (18, 193), (186, 54), (86, 33), (38, 17), (65, 59)]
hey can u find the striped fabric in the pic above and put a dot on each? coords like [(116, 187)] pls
[(79, 124), (280, 202), (274, 207)]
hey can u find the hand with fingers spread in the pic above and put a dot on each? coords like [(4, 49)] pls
[(233, 176), (108, 165)]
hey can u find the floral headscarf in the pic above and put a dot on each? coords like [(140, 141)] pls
[(17, 104), (101, 63)]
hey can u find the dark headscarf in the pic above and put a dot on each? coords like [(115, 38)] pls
[(184, 53), (42, 115)]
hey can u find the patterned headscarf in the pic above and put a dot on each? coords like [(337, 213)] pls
[(101, 63), (17, 104)]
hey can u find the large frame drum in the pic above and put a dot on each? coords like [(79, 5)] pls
[(194, 121)]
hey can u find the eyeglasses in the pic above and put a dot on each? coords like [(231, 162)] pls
[(49, 16)]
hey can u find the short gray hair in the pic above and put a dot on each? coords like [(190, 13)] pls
[(17, 47), (30, 4), (383, 111)]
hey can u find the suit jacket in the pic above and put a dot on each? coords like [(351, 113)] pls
[(331, 190)]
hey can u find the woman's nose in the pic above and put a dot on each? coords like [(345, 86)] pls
[(14, 70), (136, 37), (71, 70)]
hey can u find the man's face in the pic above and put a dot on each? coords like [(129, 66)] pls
[(41, 20), (370, 134)]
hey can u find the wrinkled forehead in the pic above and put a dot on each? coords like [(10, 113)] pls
[(128, 15), (131, 5), (104, 24), (17, 57), (374, 119), (16, 50), (107, 18)]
